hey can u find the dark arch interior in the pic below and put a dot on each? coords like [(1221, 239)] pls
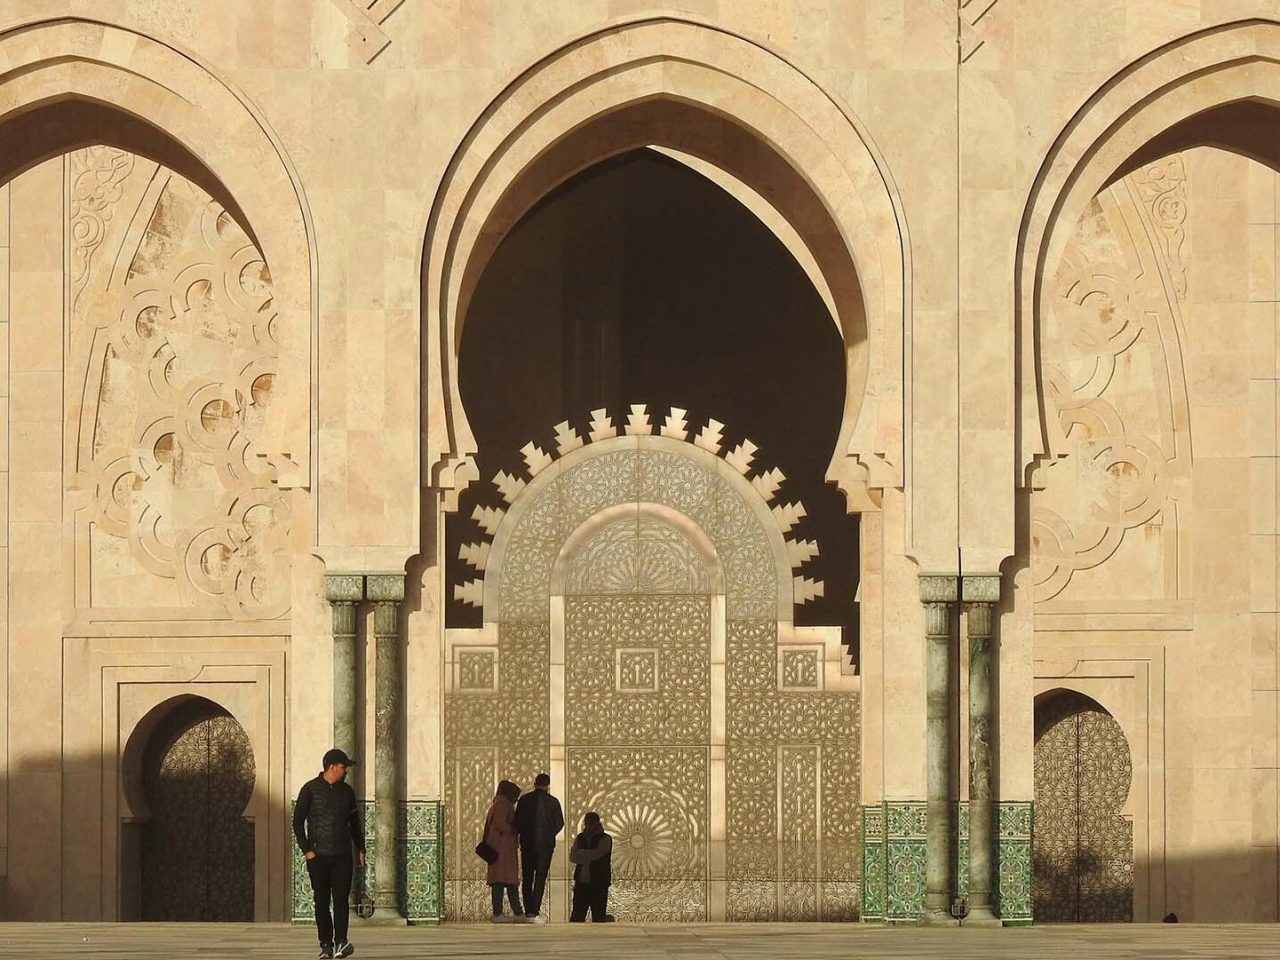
[(640, 281), (1250, 128), (1059, 704), (61, 126)]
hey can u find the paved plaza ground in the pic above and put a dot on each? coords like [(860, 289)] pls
[(724, 941)]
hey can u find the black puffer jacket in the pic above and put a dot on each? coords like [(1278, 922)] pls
[(326, 818)]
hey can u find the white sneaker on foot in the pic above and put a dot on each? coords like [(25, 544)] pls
[(537, 918), (503, 918)]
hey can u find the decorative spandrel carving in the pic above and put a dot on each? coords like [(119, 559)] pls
[(1083, 851), (173, 341), (1113, 379)]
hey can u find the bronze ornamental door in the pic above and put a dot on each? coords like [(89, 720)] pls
[(197, 848), (638, 727), (1083, 846)]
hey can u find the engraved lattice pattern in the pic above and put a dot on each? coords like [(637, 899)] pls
[(1083, 852), (638, 555), (174, 344), (197, 847), (637, 630)]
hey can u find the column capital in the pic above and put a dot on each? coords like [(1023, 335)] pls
[(980, 588), (344, 587), (385, 587), (939, 588)]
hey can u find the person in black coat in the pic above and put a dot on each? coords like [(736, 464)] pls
[(592, 852), (327, 826), (539, 821)]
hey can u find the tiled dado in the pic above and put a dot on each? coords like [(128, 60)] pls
[(303, 905), (420, 848), (893, 860)]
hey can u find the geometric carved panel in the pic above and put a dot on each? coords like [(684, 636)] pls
[(173, 353)]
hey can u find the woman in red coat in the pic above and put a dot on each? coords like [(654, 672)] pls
[(500, 833)]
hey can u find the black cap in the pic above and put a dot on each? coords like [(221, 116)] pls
[(337, 756)]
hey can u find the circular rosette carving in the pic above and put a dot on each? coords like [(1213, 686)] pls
[(115, 490), (239, 559), (655, 834), (1129, 478)]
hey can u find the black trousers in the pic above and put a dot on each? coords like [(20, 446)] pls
[(513, 894), (535, 864), (331, 881), (591, 896)]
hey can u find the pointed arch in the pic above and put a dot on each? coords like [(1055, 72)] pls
[(758, 118), (1214, 67), (71, 59)]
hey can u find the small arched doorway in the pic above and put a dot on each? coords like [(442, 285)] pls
[(197, 849), (1083, 842)]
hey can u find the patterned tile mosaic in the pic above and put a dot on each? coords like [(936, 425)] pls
[(893, 861)]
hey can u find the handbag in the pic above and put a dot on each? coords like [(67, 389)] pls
[(486, 852)]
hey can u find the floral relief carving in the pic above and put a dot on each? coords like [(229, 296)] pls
[(1112, 369), (176, 341), (98, 174)]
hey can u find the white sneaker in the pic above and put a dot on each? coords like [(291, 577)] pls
[(537, 919), (503, 918)]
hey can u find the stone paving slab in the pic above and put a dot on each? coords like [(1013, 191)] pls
[(624, 942)]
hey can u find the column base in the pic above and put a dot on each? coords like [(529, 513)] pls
[(981, 917), (938, 918), (381, 918)]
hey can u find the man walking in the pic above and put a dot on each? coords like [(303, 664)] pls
[(592, 852), (326, 824), (539, 820)]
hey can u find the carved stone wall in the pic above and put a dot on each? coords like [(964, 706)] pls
[(173, 355), (643, 577), (1113, 374)]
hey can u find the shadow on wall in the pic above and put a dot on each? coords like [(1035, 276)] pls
[(180, 839), (67, 878)]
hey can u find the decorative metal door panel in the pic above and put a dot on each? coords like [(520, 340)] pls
[(637, 734), (197, 856), (654, 803), (1083, 853), (635, 601)]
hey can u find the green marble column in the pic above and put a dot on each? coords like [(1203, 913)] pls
[(386, 591), (980, 594), (344, 591), (939, 594)]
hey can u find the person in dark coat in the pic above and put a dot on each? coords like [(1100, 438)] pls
[(327, 826), (539, 821), (500, 833), (592, 852)]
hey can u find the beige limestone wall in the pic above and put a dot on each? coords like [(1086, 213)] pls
[(1167, 612), (364, 115)]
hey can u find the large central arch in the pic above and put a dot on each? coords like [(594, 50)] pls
[(761, 121)]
